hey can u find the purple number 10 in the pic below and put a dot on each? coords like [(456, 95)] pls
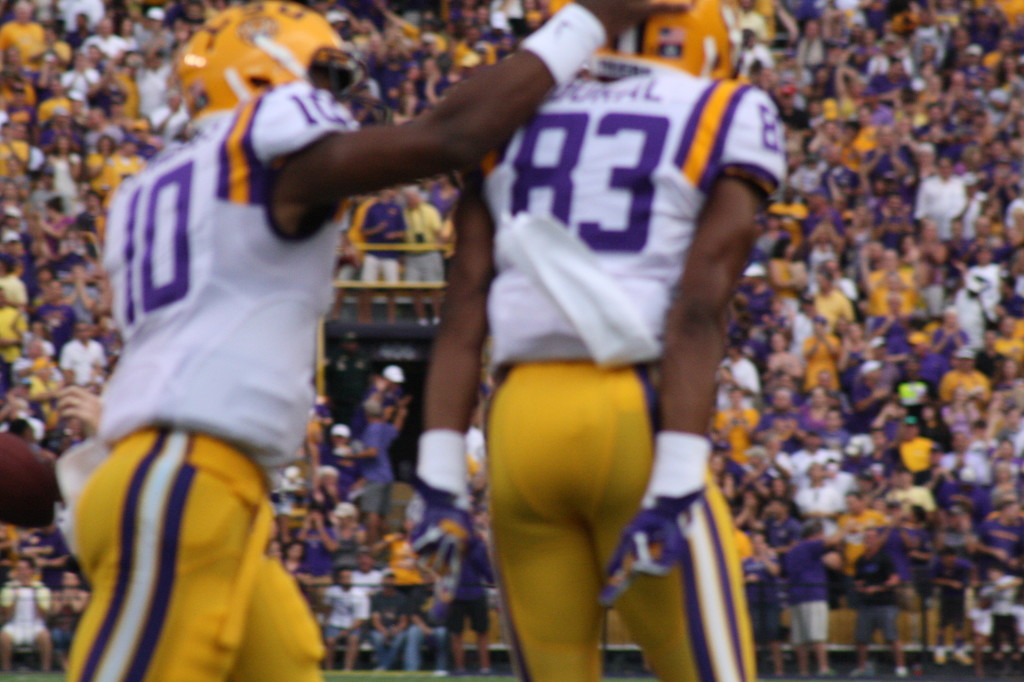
[(160, 230), (635, 179)]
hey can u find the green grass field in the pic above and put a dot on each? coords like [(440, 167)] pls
[(359, 677)]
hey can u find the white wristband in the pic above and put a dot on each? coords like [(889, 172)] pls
[(442, 461), (680, 465), (567, 41)]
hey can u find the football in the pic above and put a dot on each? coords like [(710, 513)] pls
[(28, 485)]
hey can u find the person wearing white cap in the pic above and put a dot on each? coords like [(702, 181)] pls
[(394, 374), (868, 397)]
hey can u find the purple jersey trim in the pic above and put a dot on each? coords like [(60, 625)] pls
[(712, 168), (690, 131), (752, 173)]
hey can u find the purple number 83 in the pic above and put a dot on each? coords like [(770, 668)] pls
[(635, 179)]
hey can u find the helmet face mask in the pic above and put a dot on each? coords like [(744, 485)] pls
[(244, 50), (336, 71)]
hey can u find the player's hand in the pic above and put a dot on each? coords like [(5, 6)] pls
[(619, 15), (655, 540), (652, 543), (440, 540), (75, 402)]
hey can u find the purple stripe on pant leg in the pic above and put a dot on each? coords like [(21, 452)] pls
[(730, 601), (694, 621), (128, 521), (161, 598), (518, 658), (711, 168)]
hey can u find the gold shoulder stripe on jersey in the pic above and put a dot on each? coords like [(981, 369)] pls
[(708, 127)]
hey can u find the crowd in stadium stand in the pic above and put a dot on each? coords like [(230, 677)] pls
[(870, 424)]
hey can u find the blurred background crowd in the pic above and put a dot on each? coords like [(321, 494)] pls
[(871, 403)]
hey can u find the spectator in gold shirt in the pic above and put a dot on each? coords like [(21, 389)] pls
[(24, 34), (424, 264), (964, 374)]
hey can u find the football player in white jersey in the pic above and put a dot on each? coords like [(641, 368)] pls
[(600, 249), (220, 264)]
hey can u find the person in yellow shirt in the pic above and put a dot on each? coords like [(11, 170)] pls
[(98, 165), (736, 424), (423, 226), (126, 162), (24, 34), (1008, 343), (473, 43), (821, 353), (858, 517), (889, 277), (12, 328), (43, 386), (401, 557), (915, 450), (964, 374), (830, 302), (58, 99)]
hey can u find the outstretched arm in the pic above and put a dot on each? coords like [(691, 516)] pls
[(474, 118)]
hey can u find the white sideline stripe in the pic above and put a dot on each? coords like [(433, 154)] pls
[(712, 600), (152, 503)]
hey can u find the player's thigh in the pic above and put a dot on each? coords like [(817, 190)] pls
[(279, 621), (174, 529), (549, 595), (556, 437)]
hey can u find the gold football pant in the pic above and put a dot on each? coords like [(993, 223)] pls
[(172, 531), (570, 453)]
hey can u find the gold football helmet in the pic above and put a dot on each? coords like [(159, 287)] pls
[(247, 49), (703, 41)]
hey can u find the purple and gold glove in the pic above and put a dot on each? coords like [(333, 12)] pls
[(654, 541), (442, 534)]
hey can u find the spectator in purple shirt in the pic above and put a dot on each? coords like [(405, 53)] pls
[(952, 575), (761, 573), (868, 397), (781, 530), (56, 314), (47, 548), (321, 541), (1002, 538), (471, 603), (375, 465), (804, 567), (384, 224)]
